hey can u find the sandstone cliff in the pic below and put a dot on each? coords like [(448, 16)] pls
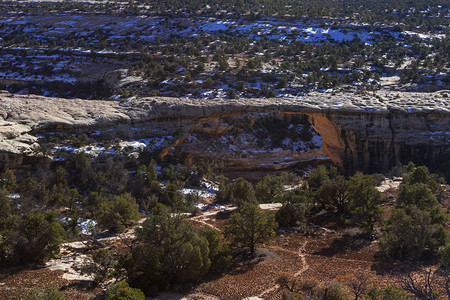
[(359, 132)]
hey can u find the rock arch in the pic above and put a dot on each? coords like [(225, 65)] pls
[(360, 132)]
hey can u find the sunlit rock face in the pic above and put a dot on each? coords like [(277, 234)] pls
[(367, 133)]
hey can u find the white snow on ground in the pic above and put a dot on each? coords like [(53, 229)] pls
[(150, 28), (200, 193), (207, 191), (151, 143), (93, 150), (87, 226), (210, 187), (248, 143)]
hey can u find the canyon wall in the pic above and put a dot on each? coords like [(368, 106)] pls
[(374, 142), (367, 133)]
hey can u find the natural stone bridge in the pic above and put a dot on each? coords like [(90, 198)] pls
[(360, 132)]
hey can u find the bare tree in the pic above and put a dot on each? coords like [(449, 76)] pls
[(359, 284), (423, 287), (444, 282)]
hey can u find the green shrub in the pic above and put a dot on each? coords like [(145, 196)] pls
[(334, 194), (364, 198), (388, 293), (8, 225), (238, 192), (117, 213), (412, 233), (219, 252), (170, 251), (122, 291), (39, 237), (316, 177), (335, 291), (291, 214), (48, 293), (444, 255)]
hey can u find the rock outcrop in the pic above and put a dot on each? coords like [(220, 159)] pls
[(367, 133)]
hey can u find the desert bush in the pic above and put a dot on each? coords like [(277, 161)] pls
[(316, 177), (238, 192), (48, 293), (292, 214), (444, 256), (335, 291), (8, 225), (412, 233), (420, 175), (417, 194), (219, 252), (388, 293), (122, 291), (39, 236), (232, 94), (101, 266), (8, 181), (414, 227), (118, 212), (172, 197), (334, 194)]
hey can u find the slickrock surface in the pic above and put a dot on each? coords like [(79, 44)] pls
[(359, 131)]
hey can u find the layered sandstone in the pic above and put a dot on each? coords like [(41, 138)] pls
[(368, 133)]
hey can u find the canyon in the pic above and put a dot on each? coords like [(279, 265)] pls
[(368, 133)]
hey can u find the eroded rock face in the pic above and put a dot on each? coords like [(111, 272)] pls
[(374, 142), (359, 132), (253, 144)]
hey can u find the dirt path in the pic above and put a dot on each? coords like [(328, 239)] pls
[(205, 217), (305, 266), (302, 255), (203, 222)]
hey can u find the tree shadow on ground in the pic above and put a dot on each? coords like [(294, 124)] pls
[(79, 285), (385, 265), (243, 261), (352, 242)]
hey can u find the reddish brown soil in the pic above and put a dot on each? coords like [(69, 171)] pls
[(331, 256), (17, 283)]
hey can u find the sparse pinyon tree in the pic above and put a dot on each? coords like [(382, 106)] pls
[(364, 201), (250, 226), (270, 189), (170, 251), (414, 227)]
